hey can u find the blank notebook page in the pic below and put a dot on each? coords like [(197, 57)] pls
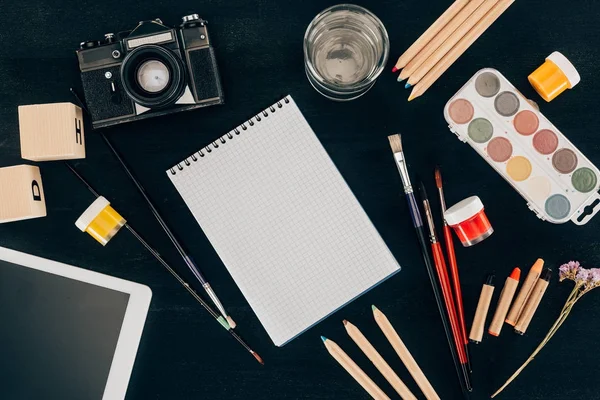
[(283, 221)]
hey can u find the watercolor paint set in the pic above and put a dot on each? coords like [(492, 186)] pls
[(557, 180)]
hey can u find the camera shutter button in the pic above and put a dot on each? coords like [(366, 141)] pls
[(89, 44), (191, 17)]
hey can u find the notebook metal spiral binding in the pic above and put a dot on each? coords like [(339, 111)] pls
[(229, 135)]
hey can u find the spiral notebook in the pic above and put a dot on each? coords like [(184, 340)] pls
[(283, 221)]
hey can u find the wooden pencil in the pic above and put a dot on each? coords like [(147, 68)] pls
[(377, 360), (354, 370), (440, 38), (442, 66), (429, 34), (408, 360), (453, 39)]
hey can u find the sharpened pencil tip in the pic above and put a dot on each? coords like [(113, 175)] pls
[(258, 358), (373, 307), (516, 274), (400, 79), (345, 322), (407, 86), (394, 69), (323, 338)]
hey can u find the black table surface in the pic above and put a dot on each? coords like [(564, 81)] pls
[(184, 354)]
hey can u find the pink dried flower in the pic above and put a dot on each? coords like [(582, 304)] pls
[(568, 270), (595, 276), (582, 275)]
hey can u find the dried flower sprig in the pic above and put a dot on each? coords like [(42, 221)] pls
[(585, 280)]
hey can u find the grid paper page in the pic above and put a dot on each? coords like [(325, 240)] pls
[(283, 221)]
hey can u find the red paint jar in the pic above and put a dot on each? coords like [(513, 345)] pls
[(469, 221)]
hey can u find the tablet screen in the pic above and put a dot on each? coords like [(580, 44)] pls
[(57, 335)]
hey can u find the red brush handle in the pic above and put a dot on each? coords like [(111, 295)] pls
[(455, 281), (440, 266)]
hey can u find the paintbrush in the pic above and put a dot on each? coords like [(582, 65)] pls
[(186, 258), (453, 265), (396, 145), (442, 272), (187, 287)]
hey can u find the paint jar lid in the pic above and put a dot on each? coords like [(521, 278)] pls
[(566, 67), (463, 210), (91, 213)]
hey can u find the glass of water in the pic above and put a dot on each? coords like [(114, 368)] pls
[(345, 49)]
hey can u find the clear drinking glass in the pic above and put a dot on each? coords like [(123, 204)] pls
[(345, 49)]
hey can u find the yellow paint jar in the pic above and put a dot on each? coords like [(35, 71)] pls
[(554, 76), (101, 221)]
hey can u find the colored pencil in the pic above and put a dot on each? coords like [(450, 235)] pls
[(396, 145), (429, 34), (402, 351), (440, 38), (354, 370), (453, 39), (388, 373), (442, 66), (184, 255), (183, 283), (442, 272), (448, 241)]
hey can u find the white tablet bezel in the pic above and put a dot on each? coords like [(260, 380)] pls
[(133, 321)]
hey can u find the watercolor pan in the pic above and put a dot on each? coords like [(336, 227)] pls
[(559, 183)]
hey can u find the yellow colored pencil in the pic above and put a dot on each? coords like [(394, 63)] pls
[(454, 38), (377, 360), (442, 66), (407, 358), (429, 34), (354, 370), (440, 38)]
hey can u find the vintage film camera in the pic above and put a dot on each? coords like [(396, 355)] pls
[(150, 71)]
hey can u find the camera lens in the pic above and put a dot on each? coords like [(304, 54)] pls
[(153, 76)]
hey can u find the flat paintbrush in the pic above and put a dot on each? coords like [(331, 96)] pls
[(396, 145), (187, 287)]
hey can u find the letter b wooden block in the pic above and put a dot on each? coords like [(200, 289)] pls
[(51, 132), (21, 193)]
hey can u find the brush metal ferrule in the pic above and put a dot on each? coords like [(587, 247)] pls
[(401, 164), (213, 296), (442, 200), (430, 223)]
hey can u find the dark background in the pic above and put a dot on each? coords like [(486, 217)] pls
[(184, 354)]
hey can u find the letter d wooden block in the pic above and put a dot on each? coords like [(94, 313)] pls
[(21, 193)]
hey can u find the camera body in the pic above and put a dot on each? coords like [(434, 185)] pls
[(150, 71)]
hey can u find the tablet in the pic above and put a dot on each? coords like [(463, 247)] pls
[(66, 332)]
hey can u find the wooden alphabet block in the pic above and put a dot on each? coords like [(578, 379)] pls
[(51, 132), (21, 193)]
